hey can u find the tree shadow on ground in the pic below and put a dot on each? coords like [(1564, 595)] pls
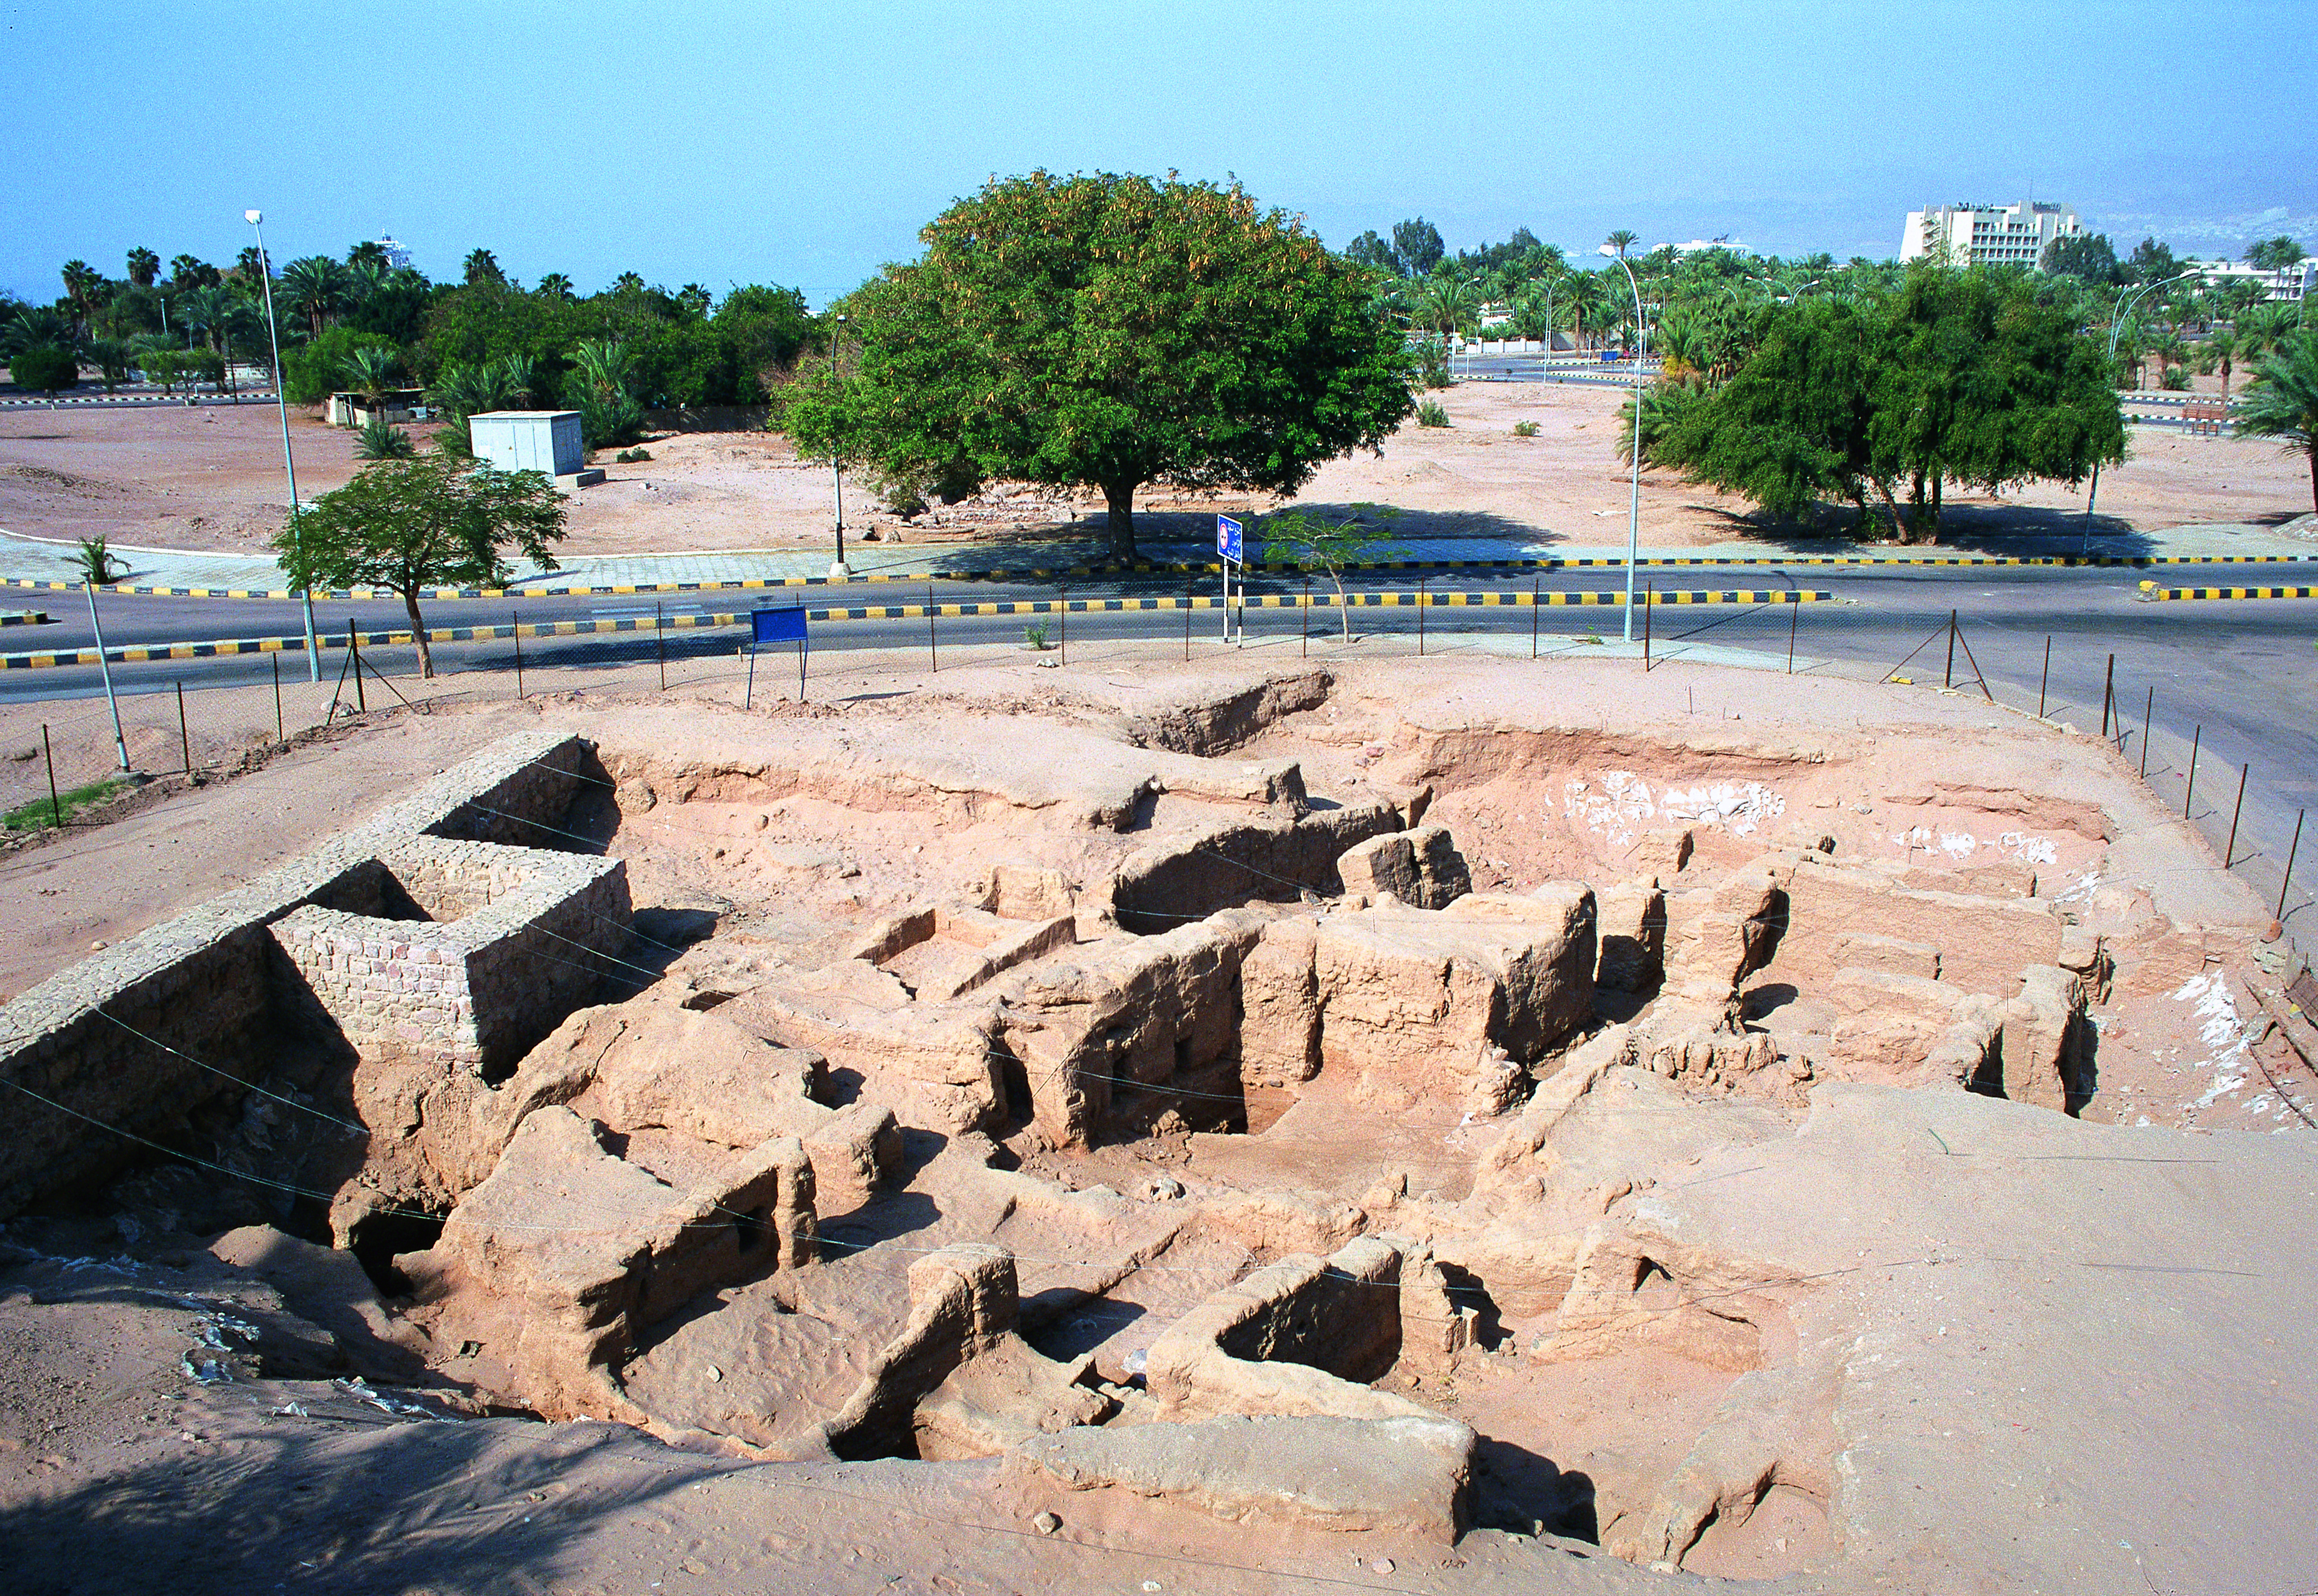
[(343, 1504), (1167, 528), (1964, 529)]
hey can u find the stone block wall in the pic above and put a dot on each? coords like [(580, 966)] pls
[(207, 983)]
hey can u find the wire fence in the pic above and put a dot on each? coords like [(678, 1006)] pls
[(61, 760)]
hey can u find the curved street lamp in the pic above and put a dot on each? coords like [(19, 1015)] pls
[(282, 401), (2115, 327), (1634, 511)]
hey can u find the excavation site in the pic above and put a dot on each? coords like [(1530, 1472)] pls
[(1443, 1125)]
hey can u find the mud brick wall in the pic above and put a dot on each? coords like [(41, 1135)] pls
[(521, 939), (76, 1087)]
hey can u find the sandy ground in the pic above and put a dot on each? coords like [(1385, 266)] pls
[(211, 480)]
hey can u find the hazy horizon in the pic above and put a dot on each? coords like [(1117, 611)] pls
[(726, 144)]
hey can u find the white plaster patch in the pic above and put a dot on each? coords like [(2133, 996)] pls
[(2220, 1032)]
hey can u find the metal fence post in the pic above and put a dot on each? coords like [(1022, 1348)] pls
[(660, 644), (1064, 611), (2045, 681), (1533, 590), (933, 644), (185, 736), (354, 655), (2300, 815), (56, 809), (1947, 675), (514, 627), (278, 736), (2195, 739), (2109, 694), (1794, 620), (2230, 849), (2145, 710)]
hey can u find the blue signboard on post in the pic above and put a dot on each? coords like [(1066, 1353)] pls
[(785, 625), (1227, 532)]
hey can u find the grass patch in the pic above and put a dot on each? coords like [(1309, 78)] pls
[(39, 816)]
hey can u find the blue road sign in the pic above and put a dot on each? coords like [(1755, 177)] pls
[(785, 625), (1228, 538)]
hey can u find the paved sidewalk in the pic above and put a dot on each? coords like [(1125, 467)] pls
[(33, 561)]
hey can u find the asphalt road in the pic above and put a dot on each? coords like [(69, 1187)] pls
[(2241, 675)]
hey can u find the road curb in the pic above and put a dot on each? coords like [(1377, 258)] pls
[(2152, 592), (1172, 568), (139, 653)]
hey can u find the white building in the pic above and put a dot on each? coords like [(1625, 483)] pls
[(398, 258), (1987, 235), (2291, 284)]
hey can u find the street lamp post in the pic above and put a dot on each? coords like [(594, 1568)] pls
[(1634, 511), (2115, 327), (281, 399), (839, 572)]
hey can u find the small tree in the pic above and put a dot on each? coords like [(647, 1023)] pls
[(409, 525), (1307, 538)]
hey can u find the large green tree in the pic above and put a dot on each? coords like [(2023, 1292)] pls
[(2281, 401), (411, 524), (1113, 331), (1959, 377)]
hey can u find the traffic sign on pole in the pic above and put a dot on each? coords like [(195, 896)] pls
[(1228, 538)]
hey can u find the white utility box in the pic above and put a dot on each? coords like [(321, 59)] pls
[(542, 441)]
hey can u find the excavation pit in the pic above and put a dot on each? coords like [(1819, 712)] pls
[(1285, 1104)]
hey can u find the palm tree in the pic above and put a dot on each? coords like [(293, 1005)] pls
[(315, 287), (144, 266), (482, 266), (370, 252), (555, 285), (370, 371), (81, 281), (1620, 240), (2223, 345), (207, 311), (2281, 402), (364, 278), (1445, 302), (1582, 294)]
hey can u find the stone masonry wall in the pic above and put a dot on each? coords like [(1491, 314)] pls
[(206, 982)]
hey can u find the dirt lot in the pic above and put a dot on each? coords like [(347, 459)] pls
[(211, 479)]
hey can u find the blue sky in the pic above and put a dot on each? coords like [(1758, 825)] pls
[(805, 144)]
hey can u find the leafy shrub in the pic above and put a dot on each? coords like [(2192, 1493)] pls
[(633, 456), (1525, 429), (1430, 414), (96, 564), (316, 369), (1035, 635), (381, 439), (2175, 377), (45, 369)]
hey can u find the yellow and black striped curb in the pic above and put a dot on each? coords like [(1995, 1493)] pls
[(1147, 568), (23, 617), (2151, 590), (136, 653)]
